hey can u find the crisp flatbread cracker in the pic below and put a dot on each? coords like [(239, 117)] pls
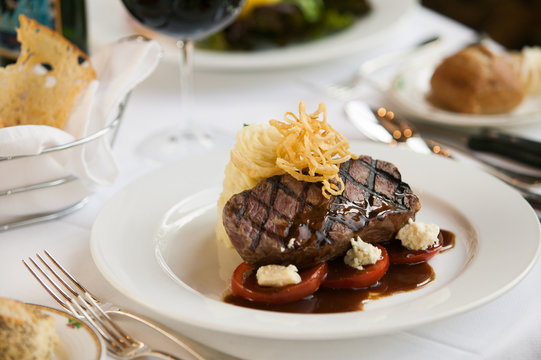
[(43, 85)]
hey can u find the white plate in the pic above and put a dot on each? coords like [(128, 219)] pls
[(483, 212), (76, 340), (369, 31), (411, 86)]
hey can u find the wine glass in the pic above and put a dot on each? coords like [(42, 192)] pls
[(186, 21)]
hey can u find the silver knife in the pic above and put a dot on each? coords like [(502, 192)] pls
[(364, 119), (519, 150), (360, 115)]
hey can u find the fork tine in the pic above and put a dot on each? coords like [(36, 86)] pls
[(65, 272), (54, 278), (55, 285), (45, 286), (70, 304), (88, 306), (66, 303), (87, 298), (66, 285)]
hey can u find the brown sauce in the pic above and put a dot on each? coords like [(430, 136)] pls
[(448, 240), (399, 278)]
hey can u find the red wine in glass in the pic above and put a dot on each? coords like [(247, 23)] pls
[(186, 21)]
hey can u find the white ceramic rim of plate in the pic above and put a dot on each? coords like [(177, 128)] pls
[(385, 17), (411, 100), (96, 339), (461, 295)]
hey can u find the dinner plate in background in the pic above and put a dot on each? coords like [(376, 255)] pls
[(369, 31), (411, 87), (76, 340), (174, 208)]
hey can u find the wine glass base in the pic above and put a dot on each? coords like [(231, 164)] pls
[(169, 146)]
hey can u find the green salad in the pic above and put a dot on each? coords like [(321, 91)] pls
[(274, 23)]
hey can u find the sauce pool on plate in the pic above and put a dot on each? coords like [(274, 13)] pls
[(399, 278)]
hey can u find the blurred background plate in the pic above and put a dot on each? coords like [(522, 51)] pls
[(370, 31), (411, 87)]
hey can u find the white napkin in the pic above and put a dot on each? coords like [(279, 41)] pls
[(119, 67)]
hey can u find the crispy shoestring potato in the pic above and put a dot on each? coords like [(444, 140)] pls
[(311, 150)]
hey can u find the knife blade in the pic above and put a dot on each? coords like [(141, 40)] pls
[(361, 116), (382, 129), (404, 132), (528, 185), (508, 146)]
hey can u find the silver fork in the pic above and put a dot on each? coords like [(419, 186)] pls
[(346, 89), (72, 296)]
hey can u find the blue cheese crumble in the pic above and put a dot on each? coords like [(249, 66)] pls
[(361, 253), (277, 275), (418, 235)]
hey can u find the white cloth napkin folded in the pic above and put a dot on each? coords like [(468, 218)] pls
[(119, 67)]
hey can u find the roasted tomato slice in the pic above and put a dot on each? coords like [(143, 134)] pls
[(244, 284), (342, 276), (402, 255)]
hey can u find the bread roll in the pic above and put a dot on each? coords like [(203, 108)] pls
[(528, 65), (476, 81), (25, 332)]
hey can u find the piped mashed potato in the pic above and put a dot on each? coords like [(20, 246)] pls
[(277, 275), (252, 159), (361, 253), (418, 235)]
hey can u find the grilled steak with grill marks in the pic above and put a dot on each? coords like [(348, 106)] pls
[(285, 221)]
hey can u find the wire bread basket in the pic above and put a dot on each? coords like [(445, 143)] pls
[(46, 174), (52, 187)]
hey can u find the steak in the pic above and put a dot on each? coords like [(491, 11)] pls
[(285, 221)]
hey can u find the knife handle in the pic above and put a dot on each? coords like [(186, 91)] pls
[(510, 146)]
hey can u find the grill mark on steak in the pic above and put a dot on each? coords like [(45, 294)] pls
[(260, 222), (242, 210), (301, 200), (398, 192), (274, 189), (275, 180)]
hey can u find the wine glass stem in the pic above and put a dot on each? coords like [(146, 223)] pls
[(186, 85)]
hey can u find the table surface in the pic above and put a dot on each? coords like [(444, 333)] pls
[(508, 327)]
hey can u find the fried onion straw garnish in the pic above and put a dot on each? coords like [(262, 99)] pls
[(311, 150)]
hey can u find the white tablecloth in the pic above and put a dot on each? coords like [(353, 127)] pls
[(507, 328)]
